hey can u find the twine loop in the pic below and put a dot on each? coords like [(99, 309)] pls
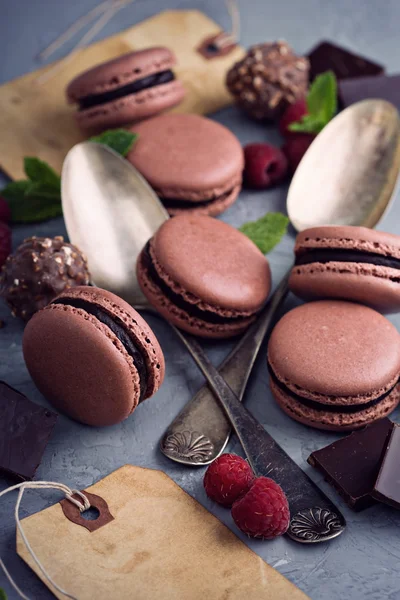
[(82, 505)]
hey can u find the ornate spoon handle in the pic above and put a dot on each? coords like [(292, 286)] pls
[(314, 518), (201, 431)]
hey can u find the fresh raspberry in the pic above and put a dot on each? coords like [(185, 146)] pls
[(265, 166), (264, 511), (5, 242), (5, 212), (295, 148), (293, 113), (228, 478)]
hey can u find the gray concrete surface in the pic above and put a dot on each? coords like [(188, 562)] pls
[(363, 563)]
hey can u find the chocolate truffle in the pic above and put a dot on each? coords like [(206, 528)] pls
[(268, 79), (39, 270)]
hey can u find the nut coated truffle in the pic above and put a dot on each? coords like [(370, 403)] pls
[(268, 79), (39, 270)]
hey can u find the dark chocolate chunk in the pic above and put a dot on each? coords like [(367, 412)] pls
[(385, 87), (119, 329), (351, 465), (387, 486), (25, 429), (130, 88), (330, 57)]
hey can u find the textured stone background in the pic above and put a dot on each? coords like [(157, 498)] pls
[(363, 563)]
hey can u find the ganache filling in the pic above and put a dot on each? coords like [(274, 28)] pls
[(178, 203), (130, 88), (118, 328), (333, 408), (192, 309), (318, 255)]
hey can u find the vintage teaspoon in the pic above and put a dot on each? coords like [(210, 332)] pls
[(348, 176)]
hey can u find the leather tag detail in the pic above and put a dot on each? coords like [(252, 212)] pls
[(210, 48), (73, 514)]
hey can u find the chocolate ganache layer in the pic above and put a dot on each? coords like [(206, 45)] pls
[(130, 88), (322, 255), (334, 408), (178, 203), (119, 329)]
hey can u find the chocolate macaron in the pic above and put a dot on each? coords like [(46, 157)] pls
[(191, 162), (204, 276), (351, 263), (335, 365), (129, 88), (93, 356)]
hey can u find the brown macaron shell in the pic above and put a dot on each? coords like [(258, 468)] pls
[(377, 285), (335, 354), (80, 365), (213, 268), (117, 73), (190, 159)]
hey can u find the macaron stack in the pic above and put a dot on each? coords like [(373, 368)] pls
[(193, 163), (335, 363)]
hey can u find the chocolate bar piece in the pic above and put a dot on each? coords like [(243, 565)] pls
[(25, 429), (385, 87), (387, 486), (329, 57), (351, 465)]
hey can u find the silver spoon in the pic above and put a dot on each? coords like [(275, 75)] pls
[(348, 176), (109, 214)]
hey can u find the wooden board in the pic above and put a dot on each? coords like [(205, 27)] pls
[(161, 545), (36, 121)]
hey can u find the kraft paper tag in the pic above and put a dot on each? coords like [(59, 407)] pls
[(157, 543), (35, 119)]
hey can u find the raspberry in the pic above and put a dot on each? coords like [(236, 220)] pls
[(293, 113), (264, 511), (228, 478), (264, 167), (5, 243), (5, 212), (295, 148)]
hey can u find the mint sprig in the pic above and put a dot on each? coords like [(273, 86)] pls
[(321, 105), (38, 197), (119, 140), (2, 594), (267, 231)]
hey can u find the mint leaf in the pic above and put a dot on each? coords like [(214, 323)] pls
[(321, 104), (322, 97), (40, 172), (307, 124), (15, 190), (119, 140), (267, 231), (31, 202), (2, 594)]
